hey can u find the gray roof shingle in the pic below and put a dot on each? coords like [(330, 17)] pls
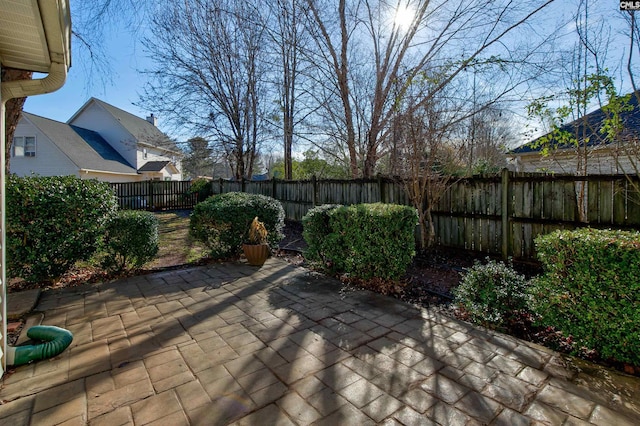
[(590, 126), (141, 129), (85, 148)]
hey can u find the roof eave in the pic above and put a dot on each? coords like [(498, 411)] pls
[(39, 41), (150, 145), (108, 172)]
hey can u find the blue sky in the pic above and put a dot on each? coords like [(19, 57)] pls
[(125, 57)]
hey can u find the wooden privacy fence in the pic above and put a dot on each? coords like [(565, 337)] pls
[(155, 195), (498, 214)]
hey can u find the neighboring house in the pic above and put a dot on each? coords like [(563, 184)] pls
[(99, 142), (603, 157)]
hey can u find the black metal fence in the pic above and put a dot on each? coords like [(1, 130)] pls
[(155, 195)]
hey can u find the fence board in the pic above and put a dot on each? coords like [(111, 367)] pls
[(469, 237), (469, 213), (593, 199), (620, 202), (570, 191), (633, 203), (605, 205)]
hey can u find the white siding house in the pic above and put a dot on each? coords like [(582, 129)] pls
[(47, 158), (100, 141), (62, 150), (593, 155)]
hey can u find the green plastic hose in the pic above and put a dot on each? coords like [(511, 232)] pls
[(55, 341)]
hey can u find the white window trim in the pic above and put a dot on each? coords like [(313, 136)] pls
[(25, 153)]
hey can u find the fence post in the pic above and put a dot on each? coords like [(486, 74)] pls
[(505, 213), (150, 192), (381, 188), (220, 183), (243, 184), (273, 187), (314, 184)]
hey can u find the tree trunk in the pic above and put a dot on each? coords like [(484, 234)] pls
[(13, 110), (431, 234), (288, 143), (371, 158), (422, 222), (425, 221)]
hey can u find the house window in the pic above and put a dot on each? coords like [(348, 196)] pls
[(144, 153), (24, 146)]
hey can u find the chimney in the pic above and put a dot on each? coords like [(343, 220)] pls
[(153, 120)]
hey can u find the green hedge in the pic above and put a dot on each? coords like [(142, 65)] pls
[(222, 222), (130, 240), (364, 240), (53, 222), (591, 289), (315, 229), (202, 188)]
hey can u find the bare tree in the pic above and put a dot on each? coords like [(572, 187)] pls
[(629, 139), (335, 54), (428, 160), (487, 135), (451, 36), (286, 35), (209, 74)]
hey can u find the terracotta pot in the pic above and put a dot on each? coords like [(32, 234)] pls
[(256, 254)]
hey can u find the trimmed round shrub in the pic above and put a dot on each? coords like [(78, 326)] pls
[(53, 222), (492, 294), (590, 289), (222, 222), (364, 241), (130, 240)]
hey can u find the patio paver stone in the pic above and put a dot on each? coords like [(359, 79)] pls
[(236, 344)]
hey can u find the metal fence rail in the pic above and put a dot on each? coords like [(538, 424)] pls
[(155, 195)]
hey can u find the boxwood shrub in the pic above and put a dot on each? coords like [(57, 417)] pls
[(222, 222), (591, 289), (364, 240), (130, 240), (53, 222), (492, 294)]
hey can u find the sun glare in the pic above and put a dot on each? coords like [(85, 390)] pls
[(404, 17)]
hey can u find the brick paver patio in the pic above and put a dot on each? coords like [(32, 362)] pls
[(278, 345)]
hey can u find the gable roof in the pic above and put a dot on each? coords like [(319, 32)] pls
[(143, 131), (85, 148), (589, 126)]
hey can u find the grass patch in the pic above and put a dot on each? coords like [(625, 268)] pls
[(176, 246)]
